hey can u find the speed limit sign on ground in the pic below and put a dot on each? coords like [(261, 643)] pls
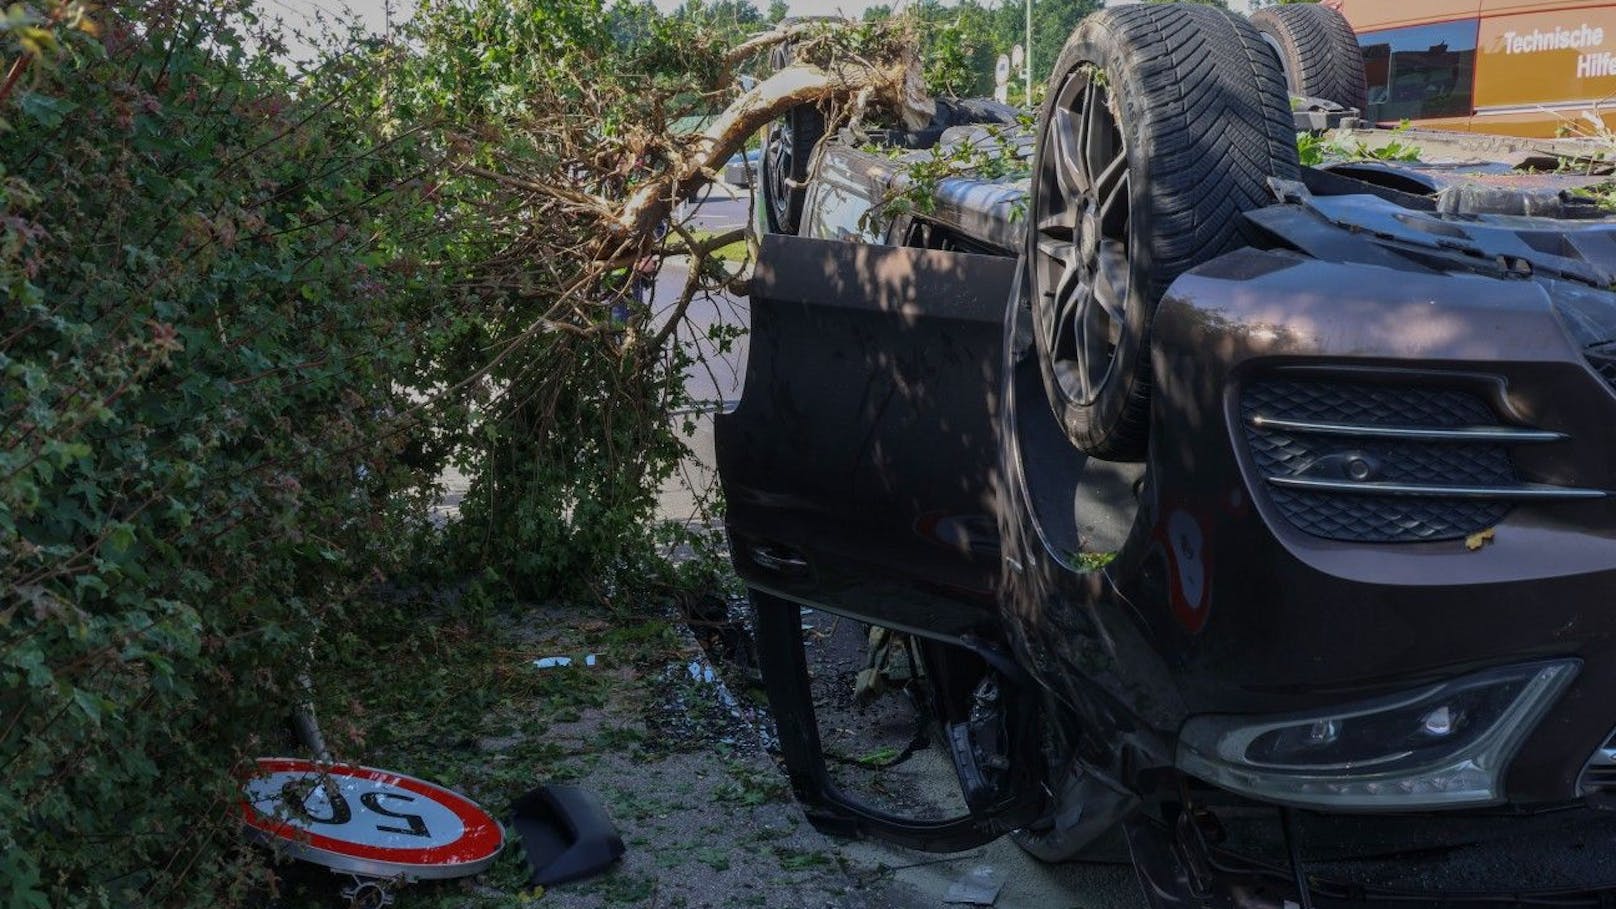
[(366, 821)]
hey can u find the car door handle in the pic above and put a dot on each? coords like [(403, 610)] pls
[(780, 559)]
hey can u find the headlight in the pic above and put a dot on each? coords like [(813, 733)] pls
[(1443, 746)]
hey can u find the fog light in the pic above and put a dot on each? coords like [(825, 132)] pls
[(1442, 746), (1323, 733), (1439, 722)]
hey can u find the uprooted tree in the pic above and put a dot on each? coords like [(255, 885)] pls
[(592, 210), (250, 317)]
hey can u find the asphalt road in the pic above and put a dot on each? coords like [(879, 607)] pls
[(715, 380)]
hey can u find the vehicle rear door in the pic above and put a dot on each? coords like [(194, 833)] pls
[(858, 467)]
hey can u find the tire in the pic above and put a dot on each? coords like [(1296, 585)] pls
[(1318, 50), (788, 151), (973, 111), (1191, 120)]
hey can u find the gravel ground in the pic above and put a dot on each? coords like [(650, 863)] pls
[(709, 821), (677, 749)]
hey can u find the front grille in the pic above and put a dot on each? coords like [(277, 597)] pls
[(1386, 464), (1386, 519), (1600, 774)]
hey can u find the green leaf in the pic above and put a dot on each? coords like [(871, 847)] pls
[(43, 109), (119, 538), (88, 704)]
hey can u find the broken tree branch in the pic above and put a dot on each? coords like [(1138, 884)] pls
[(898, 84)]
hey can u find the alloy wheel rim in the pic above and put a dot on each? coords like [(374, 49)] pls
[(780, 161), (1081, 269)]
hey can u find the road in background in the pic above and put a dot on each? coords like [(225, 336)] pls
[(714, 381)]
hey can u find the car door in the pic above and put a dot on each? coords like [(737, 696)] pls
[(859, 478), (858, 466)]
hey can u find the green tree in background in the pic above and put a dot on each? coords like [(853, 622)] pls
[(250, 315), (959, 47), (729, 20), (1052, 24), (961, 42), (224, 289)]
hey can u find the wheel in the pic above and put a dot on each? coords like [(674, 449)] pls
[(1318, 50), (787, 152), (1164, 123)]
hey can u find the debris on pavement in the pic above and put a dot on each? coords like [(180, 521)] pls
[(888, 666), (566, 834), (551, 662), (979, 886)]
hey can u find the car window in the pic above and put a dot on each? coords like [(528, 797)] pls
[(1421, 72), (840, 193)]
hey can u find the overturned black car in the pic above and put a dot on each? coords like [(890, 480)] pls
[(1210, 486)]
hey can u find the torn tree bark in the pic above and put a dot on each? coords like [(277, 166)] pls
[(586, 215), (895, 84)]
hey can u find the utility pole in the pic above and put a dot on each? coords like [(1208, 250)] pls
[(1028, 70)]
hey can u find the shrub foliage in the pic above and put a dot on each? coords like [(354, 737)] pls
[(212, 322), (252, 311)]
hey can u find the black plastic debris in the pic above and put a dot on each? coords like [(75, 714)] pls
[(565, 834)]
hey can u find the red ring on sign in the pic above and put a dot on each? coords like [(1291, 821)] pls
[(481, 838)]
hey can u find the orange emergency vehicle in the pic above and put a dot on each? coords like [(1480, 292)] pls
[(1518, 67)]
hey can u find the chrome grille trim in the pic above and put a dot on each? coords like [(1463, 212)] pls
[(1352, 459), (1526, 492), (1509, 435)]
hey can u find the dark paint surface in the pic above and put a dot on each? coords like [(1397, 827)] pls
[(894, 459), (1296, 621), (863, 447), (1217, 604), (866, 447)]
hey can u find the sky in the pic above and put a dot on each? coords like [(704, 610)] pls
[(373, 11)]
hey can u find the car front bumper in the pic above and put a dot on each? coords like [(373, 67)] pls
[(1260, 583)]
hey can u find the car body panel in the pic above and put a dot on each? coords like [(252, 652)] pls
[(872, 380), (1411, 610), (895, 460), (846, 200)]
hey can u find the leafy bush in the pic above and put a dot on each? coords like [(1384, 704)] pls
[(215, 309), (250, 316)]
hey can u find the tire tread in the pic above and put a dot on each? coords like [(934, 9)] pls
[(1218, 126), (1326, 60)]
